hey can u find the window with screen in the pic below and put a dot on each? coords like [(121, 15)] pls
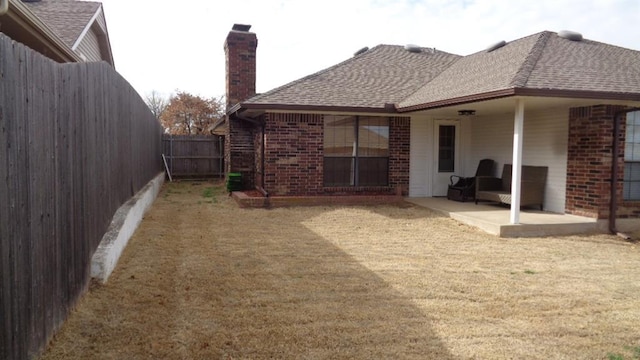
[(631, 188), (356, 151)]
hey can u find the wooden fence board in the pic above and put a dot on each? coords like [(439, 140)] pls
[(76, 142), (194, 155)]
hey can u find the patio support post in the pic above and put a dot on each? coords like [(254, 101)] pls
[(516, 176)]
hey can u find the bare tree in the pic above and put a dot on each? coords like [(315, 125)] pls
[(156, 103)]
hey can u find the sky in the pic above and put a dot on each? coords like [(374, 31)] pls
[(168, 46)]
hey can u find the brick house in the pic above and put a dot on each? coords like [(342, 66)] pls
[(402, 119)]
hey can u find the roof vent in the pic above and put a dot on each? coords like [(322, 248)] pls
[(413, 48), (497, 45), (361, 51), (570, 35)]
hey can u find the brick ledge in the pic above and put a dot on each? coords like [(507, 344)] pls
[(245, 201)]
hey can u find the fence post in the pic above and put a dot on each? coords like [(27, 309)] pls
[(171, 153)]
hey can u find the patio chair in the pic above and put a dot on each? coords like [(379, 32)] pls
[(498, 190), (464, 188)]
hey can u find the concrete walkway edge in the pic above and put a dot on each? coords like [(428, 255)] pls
[(124, 223)]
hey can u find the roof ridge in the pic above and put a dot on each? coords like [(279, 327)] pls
[(311, 76), (524, 72), (354, 58), (419, 88)]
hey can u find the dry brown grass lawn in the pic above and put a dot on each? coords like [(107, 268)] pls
[(203, 279)]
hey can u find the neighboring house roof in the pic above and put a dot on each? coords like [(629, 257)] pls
[(22, 25), (80, 24), (64, 30), (383, 75), (68, 18), (543, 64)]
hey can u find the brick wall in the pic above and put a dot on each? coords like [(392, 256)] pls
[(293, 154), (294, 157), (257, 146), (399, 153), (240, 63), (589, 161)]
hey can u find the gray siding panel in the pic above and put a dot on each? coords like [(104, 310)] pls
[(89, 46)]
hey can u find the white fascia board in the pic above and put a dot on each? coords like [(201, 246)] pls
[(86, 29)]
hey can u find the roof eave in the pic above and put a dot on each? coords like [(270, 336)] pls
[(31, 23), (578, 94), (459, 100), (241, 107)]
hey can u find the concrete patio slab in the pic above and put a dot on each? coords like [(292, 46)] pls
[(494, 219)]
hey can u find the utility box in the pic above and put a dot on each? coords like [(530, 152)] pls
[(234, 182)]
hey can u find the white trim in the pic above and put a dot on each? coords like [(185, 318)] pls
[(86, 28), (516, 169)]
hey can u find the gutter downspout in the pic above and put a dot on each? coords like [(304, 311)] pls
[(264, 143), (4, 7), (613, 203), (262, 126)]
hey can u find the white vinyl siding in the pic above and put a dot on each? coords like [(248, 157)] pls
[(544, 144), (491, 138), (93, 45), (421, 163), (89, 46), (100, 21)]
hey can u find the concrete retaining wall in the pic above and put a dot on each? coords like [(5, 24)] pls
[(124, 223)]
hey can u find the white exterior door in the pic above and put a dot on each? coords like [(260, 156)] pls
[(446, 153)]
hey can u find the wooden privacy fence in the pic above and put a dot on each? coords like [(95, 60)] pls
[(76, 142), (194, 156)]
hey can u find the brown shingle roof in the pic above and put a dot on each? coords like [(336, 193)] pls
[(481, 72), (586, 66), (544, 62), (384, 74), (68, 18)]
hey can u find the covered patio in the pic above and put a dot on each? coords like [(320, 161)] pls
[(495, 219)]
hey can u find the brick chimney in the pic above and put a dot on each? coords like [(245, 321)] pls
[(240, 63)]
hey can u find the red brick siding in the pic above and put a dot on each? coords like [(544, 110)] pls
[(294, 157), (293, 154), (257, 146), (589, 161), (399, 153), (240, 62), (246, 201)]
